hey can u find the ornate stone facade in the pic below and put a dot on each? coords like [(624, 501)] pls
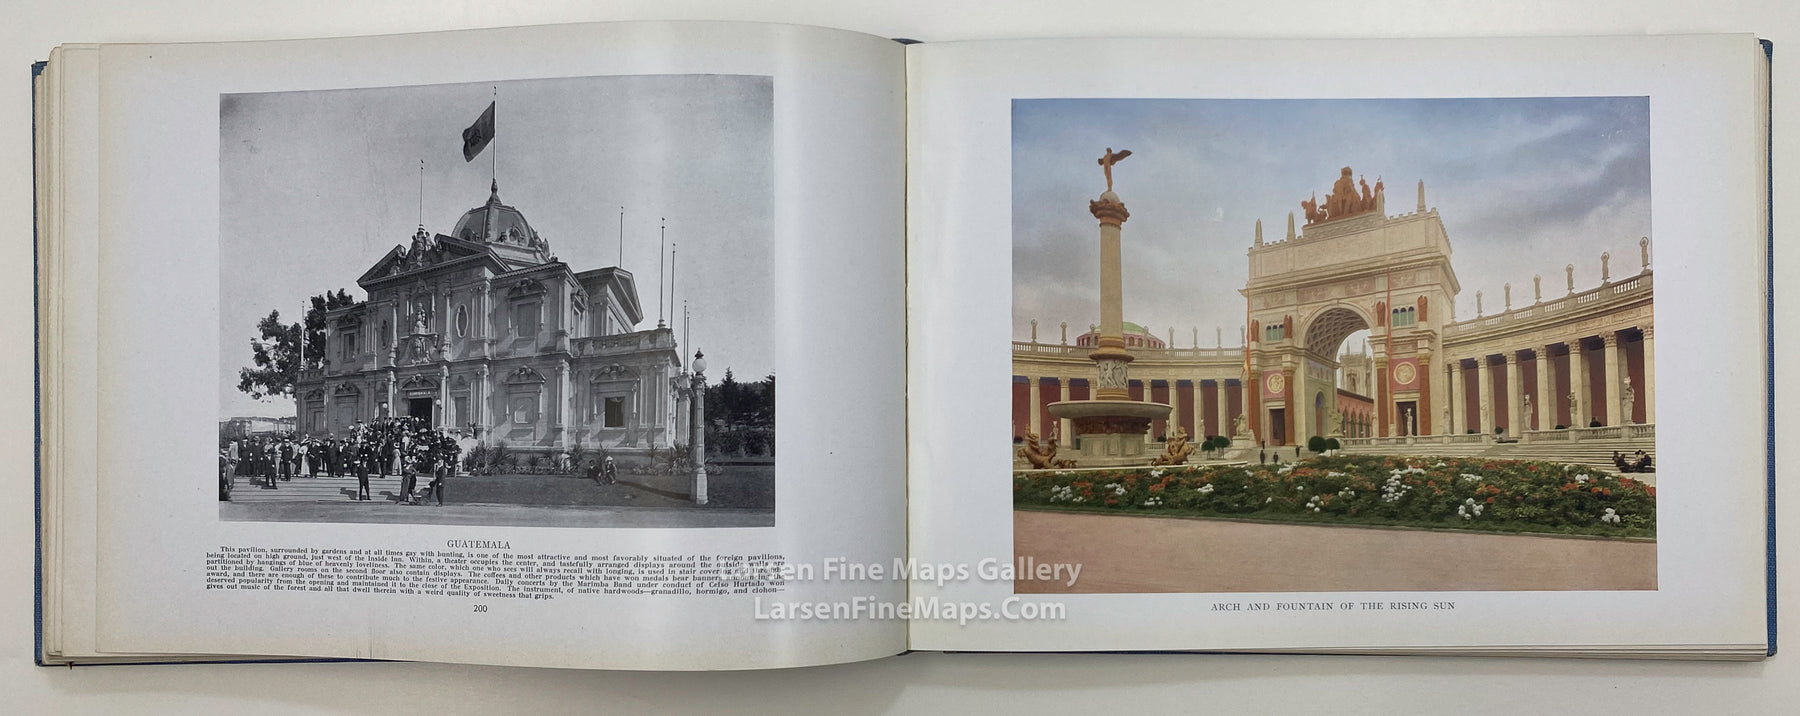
[(1586, 357), (482, 329)]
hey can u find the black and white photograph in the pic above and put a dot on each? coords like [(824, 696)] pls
[(538, 302)]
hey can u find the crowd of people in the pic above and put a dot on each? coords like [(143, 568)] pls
[(405, 446)]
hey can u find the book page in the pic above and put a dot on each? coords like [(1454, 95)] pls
[(1336, 345), (463, 346)]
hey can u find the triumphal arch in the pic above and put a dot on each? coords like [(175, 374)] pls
[(1350, 267)]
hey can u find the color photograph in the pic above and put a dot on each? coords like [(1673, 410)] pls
[(1334, 345)]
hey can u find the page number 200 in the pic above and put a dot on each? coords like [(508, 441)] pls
[(481, 608)]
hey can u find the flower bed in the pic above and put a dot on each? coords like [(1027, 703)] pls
[(1474, 494)]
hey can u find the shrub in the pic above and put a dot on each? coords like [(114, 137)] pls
[(1333, 444), (1315, 443), (1595, 423), (1461, 493)]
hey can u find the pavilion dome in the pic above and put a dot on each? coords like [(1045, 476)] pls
[(508, 224), (1136, 336)]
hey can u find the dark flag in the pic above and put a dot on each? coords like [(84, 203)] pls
[(477, 136)]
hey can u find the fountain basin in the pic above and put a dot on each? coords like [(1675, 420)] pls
[(1111, 433)]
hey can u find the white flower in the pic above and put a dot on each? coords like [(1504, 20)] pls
[(1583, 477), (1205, 489), (1156, 473)]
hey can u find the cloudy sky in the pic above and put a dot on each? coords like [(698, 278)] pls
[(1524, 186), (316, 186)]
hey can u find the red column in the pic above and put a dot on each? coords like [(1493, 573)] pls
[(1021, 412), (1159, 393), (1293, 403), (1252, 393), (1383, 395), (1425, 421), (1184, 407)]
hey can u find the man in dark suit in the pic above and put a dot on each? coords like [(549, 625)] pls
[(361, 456)]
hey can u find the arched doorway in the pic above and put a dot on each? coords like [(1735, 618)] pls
[(1327, 332), (1366, 269)]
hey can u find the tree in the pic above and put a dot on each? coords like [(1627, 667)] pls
[(275, 350)]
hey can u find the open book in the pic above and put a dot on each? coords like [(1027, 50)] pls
[(463, 347)]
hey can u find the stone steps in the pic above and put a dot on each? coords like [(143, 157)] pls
[(319, 489)]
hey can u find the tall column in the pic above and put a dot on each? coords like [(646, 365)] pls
[(1512, 394), (1649, 383), (1423, 415), (1065, 428), (697, 422), (1035, 417), (1485, 387), (561, 414), (1580, 409), (1222, 408), (1546, 390), (1612, 379), (1253, 404), (1383, 398), (443, 396), (1459, 407), (1293, 406), (480, 411), (1110, 356)]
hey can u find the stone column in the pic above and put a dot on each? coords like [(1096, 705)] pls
[(561, 412), (443, 396), (1197, 394), (1459, 407), (1648, 387), (1292, 391), (1484, 385), (1035, 418), (1383, 398), (1065, 427), (1222, 408), (1546, 390), (1253, 404), (1422, 416), (1580, 410), (480, 412), (697, 441), (1110, 356), (1512, 394), (1612, 379)]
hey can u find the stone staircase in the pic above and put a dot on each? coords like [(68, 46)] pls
[(320, 489), (1596, 454), (1593, 453)]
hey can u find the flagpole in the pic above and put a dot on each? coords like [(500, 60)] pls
[(661, 252), (621, 263), (494, 157)]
